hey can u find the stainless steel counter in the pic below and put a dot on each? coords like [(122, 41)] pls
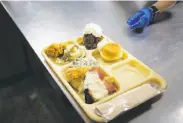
[(160, 46)]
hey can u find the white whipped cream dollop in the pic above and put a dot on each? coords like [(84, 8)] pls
[(93, 29)]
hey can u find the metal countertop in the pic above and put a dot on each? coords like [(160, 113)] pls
[(160, 45)]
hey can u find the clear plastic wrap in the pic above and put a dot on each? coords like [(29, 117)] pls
[(127, 101)]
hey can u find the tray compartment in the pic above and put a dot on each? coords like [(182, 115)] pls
[(130, 74), (71, 50), (96, 55), (102, 74)]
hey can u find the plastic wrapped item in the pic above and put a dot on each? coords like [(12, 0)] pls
[(127, 101)]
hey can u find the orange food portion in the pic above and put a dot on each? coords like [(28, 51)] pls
[(76, 73), (111, 49), (100, 72), (57, 49), (79, 40), (76, 83), (110, 87), (75, 76), (111, 52), (109, 83), (54, 50), (110, 79)]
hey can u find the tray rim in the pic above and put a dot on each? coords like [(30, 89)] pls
[(93, 116)]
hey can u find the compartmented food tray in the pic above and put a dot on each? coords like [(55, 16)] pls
[(119, 77)]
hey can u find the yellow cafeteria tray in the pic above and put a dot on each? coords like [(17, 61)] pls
[(129, 72)]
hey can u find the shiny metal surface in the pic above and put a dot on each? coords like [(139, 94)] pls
[(160, 46)]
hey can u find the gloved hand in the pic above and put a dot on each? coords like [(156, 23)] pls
[(141, 18)]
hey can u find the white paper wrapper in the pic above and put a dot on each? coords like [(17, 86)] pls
[(127, 101)]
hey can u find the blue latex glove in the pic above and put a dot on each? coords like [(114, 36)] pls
[(141, 18)]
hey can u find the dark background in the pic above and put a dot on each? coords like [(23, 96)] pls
[(26, 97)]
